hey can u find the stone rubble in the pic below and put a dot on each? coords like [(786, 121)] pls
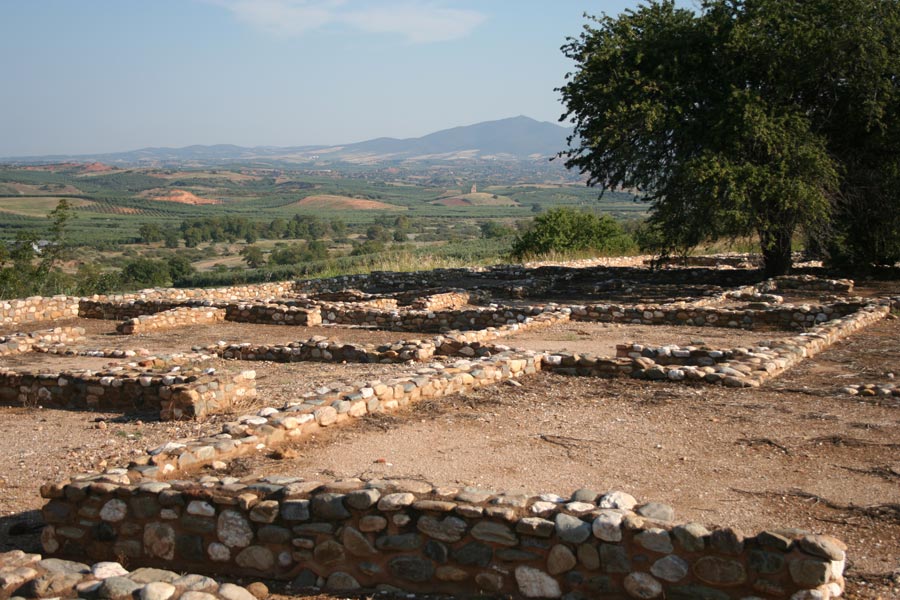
[(29, 576)]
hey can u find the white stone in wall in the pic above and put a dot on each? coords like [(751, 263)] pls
[(114, 510), (534, 583), (607, 526)]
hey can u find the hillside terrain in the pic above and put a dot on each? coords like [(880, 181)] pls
[(516, 138), (112, 204)]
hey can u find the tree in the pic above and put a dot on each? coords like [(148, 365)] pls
[(180, 268), (368, 247), (378, 233), (299, 253), (566, 230), (338, 228), (253, 256), (492, 230), (150, 232), (30, 266), (192, 237), (146, 272), (725, 118), (170, 238)]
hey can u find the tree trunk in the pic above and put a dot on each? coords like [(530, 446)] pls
[(776, 251)]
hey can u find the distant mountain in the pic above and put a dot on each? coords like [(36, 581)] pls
[(519, 137), (516, 138)]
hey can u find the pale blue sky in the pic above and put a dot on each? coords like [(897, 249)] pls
[(93, 76)]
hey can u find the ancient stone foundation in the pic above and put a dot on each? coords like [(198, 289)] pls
[(20, 343), (348, 535), (183, 395), (32, 576), (172, 319), (38, 308)]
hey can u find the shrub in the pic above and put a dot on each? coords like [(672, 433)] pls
[(568, 230)]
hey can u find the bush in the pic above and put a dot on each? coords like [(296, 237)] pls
[(569, 230), (298, 253), (146, 272), (368, 247)]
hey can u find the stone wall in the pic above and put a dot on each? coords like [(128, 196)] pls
[(183, 395), (737, 367), (426, 320), (17, 343), (713, 260), (520, 280), (31, 576), (358, 297), (172, 319), (453, 343), (322, 349), (778, 317), (412, 319), (118, 309), (443, 301), (412, 536), (273, 314), (256, 291), (807, 282), (38, 308)]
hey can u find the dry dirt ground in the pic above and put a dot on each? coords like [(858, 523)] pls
[(601, 338), (795, 452)]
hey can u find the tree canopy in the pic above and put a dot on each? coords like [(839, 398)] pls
[(748, 117)]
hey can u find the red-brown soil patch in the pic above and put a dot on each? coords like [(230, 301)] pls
[(179, 196), (452, 202), (334, 202), (96, 167)]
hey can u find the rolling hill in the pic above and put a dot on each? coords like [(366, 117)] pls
[(516, 138)]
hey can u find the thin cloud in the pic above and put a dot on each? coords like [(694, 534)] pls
[(417, 21)]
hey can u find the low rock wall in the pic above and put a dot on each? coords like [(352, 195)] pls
[(443, 301), (780, 317), (276, 289), (321, 349), (30, 576), (713, 260), (533, 276), (807, 282), (357, 297), (425, 320), (38, 308), (273, 314), (737, 367), (129, 309), (182, 395), (172, 319), (18, 343), (412, 536)]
